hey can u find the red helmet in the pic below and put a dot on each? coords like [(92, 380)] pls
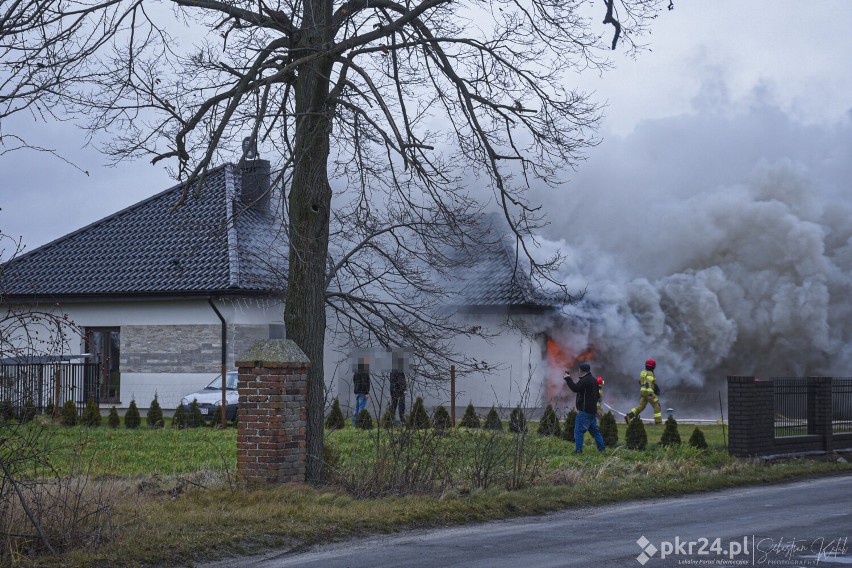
[(600, 380), (651, 363)]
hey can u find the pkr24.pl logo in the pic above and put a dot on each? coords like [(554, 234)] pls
[(700, 547)]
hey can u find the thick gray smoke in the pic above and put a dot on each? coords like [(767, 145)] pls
[(719, 244)]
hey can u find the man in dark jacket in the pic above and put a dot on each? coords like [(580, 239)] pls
[(397, 388), (361, 384), (587, 407)]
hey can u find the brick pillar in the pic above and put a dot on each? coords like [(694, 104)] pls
[(751, 416), (819, 409), (272, 419)]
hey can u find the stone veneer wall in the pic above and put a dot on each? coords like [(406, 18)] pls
[(183, 348)]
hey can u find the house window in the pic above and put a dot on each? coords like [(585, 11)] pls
[(105, 344)]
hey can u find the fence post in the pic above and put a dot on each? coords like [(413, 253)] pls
[(272, 416), (819, 410), (57, 393), (453, 394), (751, 416)]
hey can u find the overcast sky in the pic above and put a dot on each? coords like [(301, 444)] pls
[(797, 53)]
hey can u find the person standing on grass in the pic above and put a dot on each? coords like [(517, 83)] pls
[(398, 387), (587, 407), (361, 383)]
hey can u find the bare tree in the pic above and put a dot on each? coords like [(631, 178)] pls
[(381, 113), (32, 330)]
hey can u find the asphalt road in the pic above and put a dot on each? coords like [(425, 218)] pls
[(806, 523)]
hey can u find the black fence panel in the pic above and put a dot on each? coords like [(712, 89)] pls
[(791, 406), (841, 404), (40, 384)]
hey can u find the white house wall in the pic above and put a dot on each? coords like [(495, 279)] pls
[(512, 373), (171, 348)]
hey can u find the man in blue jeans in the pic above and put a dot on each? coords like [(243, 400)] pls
[(587, 407), (361, 382)]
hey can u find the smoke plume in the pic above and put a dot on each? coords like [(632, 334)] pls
[(718, 243)]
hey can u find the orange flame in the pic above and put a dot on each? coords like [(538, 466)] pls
[(559, 358)]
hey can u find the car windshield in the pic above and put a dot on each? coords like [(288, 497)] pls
[(231, 383)]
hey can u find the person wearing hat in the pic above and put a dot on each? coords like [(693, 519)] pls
[(648, 391), (587, 407)]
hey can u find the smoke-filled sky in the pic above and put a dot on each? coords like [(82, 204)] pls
[(715, 233), (711, 226)]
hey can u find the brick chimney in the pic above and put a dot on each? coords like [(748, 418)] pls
[(254, 183)]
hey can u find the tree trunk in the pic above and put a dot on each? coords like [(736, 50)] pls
[(309, 204)]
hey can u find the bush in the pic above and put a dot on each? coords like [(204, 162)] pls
[(28, 412), (697, 439), (609, 429), (418, 417), (113, 420), (364, 421), (91, 415), (636, 438), (549, 423), (195, 418), (335, 420), (517, 421), (131, 417), (670, 437), (570, 423), (386, 422), (470, 419), (7, 411), (48, 410), (68, 414), (154, 418), (441, 420), (180, 418), (492, 421)]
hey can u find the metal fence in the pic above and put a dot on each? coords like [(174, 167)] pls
[(791, 406), (44, 383), (841, 404)]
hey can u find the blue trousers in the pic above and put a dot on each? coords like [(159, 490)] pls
[(586, 421), (360, 404)]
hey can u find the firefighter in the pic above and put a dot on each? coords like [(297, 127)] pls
[(600, 397), (648, 391)]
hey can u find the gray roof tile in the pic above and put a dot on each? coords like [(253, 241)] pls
[(150, 248)]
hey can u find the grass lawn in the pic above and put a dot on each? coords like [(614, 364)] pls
[(175, 500)]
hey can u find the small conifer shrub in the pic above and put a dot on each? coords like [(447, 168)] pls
[(670, 437), (419, 418), (697, 440), (28, 412), (154, 418), (68, 414), (386, 421), (91, 415), (7, 411), (180, 418), (364, 421), (517, 421), (570, 423), (549, 423), (132, 419), (470, 419), (113, 420), (441, 419), (195, 418), (636, 437), (49, 410), (492, 420), (609, 429), (335, 420)]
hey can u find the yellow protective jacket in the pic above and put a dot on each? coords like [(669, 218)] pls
[(646, 382)]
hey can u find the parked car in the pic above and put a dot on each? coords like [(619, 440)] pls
[(210, 398)]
